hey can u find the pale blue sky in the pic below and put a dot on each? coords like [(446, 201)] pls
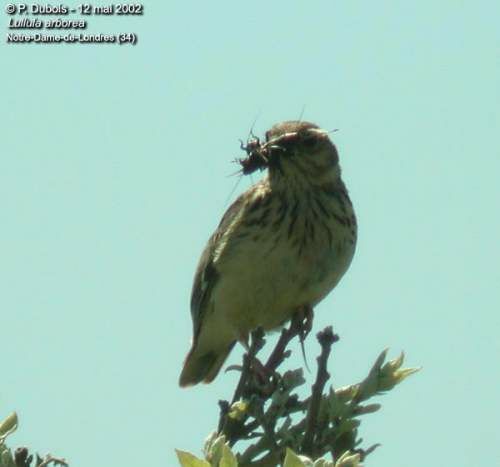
[(114, 171)]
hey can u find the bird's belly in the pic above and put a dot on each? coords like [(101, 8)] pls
[(266, 286)]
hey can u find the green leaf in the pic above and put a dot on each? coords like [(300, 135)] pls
[(6, 458), (364, 409), (209, 441), (392, 373), (188, 460), (383, 377), (8, 426), (348, 460), (338, 404), (369, 386), (238, 410), (215, 451), (292, 460), (347, 425), (323, 463), (228, 458)]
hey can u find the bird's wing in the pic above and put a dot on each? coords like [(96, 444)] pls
[(207, 274)]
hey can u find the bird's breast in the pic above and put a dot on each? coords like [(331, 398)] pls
[(277, 268)]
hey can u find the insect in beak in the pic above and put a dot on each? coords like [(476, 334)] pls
[(257, 156)]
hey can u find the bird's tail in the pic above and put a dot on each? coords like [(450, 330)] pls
[(203, 364)]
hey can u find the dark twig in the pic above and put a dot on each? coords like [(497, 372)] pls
[(49, 459), (364, 452), (279, 354), (245, 376), (260, 385), (223, 411), (265, 401), (326, 338), (298, 407), (253, 372), (249, 359), (246, 373), (271, 459), (21, 457)]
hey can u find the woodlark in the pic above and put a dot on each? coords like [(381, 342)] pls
[(280, 248)]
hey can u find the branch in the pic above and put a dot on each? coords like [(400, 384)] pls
[(265, 401), (326, 338)]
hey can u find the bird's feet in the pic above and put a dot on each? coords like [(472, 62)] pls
[(254, 374), (301, 325), (302, 321)]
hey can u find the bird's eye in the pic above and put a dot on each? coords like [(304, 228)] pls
[(310, 141)]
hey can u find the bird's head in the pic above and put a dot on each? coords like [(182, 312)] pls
[(294, 150)]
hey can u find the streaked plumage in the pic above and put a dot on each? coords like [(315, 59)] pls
[(282, 245)]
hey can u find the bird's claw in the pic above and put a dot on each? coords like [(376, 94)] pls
[(302, 321)]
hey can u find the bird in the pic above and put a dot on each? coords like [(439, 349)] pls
[(279, 249)]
